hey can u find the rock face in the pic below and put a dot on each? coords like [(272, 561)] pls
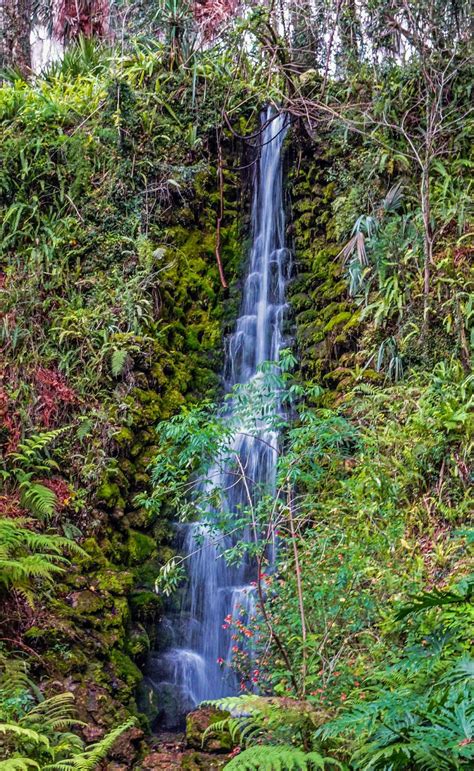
[(185, 761), (198, 722), (174, 751)]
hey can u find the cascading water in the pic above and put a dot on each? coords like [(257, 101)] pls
[(188, 668)]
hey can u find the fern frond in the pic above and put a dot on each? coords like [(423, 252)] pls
[(53, 714), (117, 361), (28, 451), (26, 555), (461, 674), (18, 764), (279, 758), (38, 498), (14, 678), (92, 756), (24, 733)]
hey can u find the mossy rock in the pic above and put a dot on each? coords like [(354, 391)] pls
[(115, 581), (138, 642), (125, 668), (140, 519), (118, 614), (86, 602), (95, 554), (145, 606), (110, 495), (123, 437), (198, 722), (141, 547), (201, 761)]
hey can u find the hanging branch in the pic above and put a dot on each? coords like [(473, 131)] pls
[(261, 596), (329, 47), (220, 176), (299, 586)]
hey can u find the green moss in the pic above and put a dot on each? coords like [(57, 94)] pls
[(141, 547), (145, 605), (124, 436), (138, 642), (125, 668), (109, 494), (115, 581), (86, 602)]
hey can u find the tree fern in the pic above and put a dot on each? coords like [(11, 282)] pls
[(280, 758)]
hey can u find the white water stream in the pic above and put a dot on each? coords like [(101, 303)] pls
[(187, 670)]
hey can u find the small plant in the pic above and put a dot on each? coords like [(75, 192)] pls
[(21, 470)]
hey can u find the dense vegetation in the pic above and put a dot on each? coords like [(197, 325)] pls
[(125, 179)]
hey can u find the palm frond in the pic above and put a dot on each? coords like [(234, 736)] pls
[(393, 199)]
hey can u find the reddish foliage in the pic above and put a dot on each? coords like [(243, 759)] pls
[(53, 394), (10, 506), (9, 425), (61, 489), (212, 14), (73, 18)]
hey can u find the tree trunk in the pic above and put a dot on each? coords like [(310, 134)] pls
[(15, 27), (427, 242)]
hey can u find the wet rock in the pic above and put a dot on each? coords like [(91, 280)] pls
[(202, 761), (127, 746), (86, 602), (190, 760), (165, 761), (198, 722)]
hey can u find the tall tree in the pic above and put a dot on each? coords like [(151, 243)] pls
[(15, 27), (73, 18)]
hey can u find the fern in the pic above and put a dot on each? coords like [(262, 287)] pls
[(26, 556), (92, 756), (42, 730), (117, 361), (24, 734), (28, 452), (53, 714), (14, 679), (279, 758), (253, 717), (38, 498), (437, 598), (24, 463)]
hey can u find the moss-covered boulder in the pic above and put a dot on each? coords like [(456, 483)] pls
[(141, 547), (198, 722), (125, 668), (86, 602), (145, 605)]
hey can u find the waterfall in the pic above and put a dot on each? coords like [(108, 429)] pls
[(195, 641)]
